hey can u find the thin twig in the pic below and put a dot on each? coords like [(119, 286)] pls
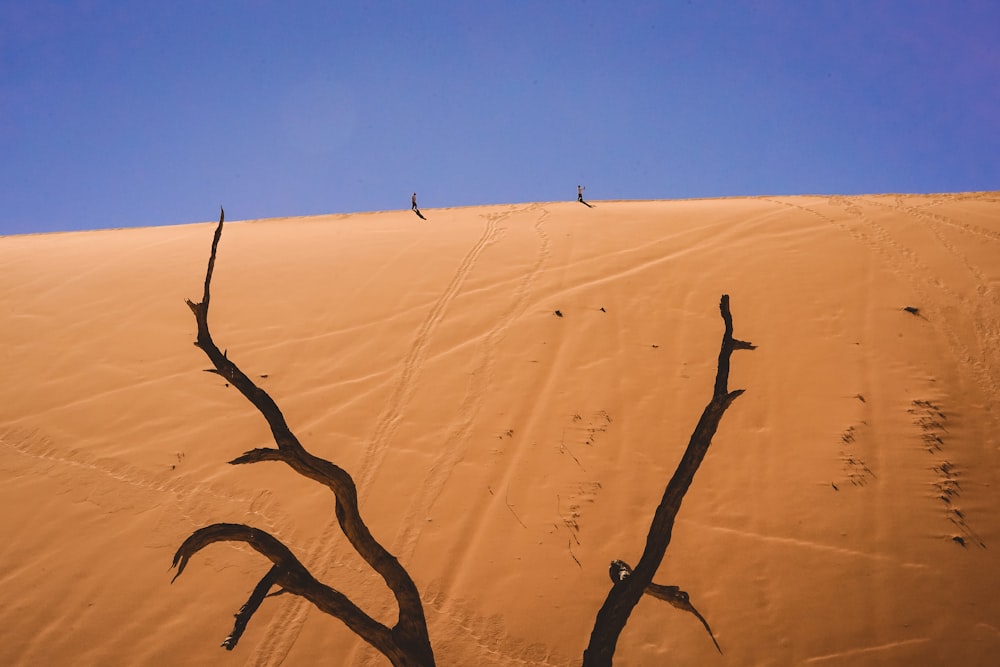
[(506, 501), (569, 544)]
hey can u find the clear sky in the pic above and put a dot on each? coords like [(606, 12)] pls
[(117, 113)]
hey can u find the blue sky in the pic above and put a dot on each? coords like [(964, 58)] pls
[(132, 113)]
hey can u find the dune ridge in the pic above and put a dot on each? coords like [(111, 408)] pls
[(846, 512)]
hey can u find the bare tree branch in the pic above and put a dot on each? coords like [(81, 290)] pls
[(243, 616), (409, 643), (626, 592), (258, 455), (670, 594), (288, 573), (678, 598)]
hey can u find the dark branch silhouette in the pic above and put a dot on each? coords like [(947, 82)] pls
[(628, 589), (671, 594), (407, 642)]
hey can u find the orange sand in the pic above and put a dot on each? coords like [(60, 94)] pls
[(507, 455)]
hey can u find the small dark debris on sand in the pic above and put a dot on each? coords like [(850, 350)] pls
[(912, 310), (602, 309), (559, 313)]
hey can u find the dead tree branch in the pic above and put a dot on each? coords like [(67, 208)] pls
[(626, 591), (670, 594), (407, 642)]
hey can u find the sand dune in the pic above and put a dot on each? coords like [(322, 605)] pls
[(846, 513)]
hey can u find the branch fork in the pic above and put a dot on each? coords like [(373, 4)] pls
[(631, 585), (405, 644)]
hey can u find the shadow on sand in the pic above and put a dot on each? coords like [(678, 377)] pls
[(419, 214), (585, 203)]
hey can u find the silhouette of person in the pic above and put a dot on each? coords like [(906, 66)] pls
[(413, 202), (579, 193)]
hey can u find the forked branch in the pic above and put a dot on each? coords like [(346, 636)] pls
[(670, 594), (626, 591), (288, 573), (407, 642)]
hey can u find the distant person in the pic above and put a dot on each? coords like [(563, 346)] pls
[(414, 207), (579, 193)]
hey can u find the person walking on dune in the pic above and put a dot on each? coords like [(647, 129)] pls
[(579, 193), (414, 207)]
